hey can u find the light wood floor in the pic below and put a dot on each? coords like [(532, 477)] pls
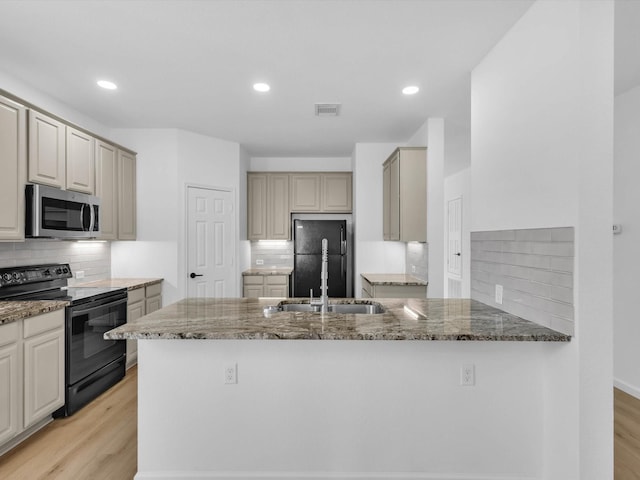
[(97, 443)]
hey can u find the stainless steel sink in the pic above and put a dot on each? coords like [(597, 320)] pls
[(353, 308)]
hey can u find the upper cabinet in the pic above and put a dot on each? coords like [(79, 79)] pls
[(13, 158), (80, 162), (126, 196), (268, 206), (404, 193), (272, 197), (106, 156), (46, 150)]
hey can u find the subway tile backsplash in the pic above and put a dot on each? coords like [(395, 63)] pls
[(272, 254), (535, 269), (94, 258), (417, 260)]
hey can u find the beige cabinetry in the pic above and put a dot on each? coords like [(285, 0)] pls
[(80, 161), (31, 373), (269, 285), (405, 195), (13, 158), (272, 197), (116, 187), (305, 192), (140, 302), (392, 290), (43, 366), (126, 196), (268, 206), (336, 192), (46, 150), (10, 382)]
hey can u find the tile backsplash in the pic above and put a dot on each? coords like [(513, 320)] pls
[(535, 269), (272, 254), (417, 260), (94, 258)]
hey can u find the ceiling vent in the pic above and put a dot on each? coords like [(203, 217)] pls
[(327, 109)]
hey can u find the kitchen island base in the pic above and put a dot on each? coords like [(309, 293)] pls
[(345, 409)]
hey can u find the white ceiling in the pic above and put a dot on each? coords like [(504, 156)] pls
[(190, 64)]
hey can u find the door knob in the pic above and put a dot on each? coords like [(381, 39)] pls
[(194, 275), (457, 254)]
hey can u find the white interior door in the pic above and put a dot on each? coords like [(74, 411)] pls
[(454, 221), (211, 243)]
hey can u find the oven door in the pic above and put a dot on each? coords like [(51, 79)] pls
[(87, 350)]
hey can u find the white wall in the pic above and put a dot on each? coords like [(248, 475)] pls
[(167, 161), (372, 255), (541, 156), (300, 164), (625, 246), (455, 186)]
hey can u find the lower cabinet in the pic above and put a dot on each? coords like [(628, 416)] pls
[(31, 372), (140, 302), (255, 286)]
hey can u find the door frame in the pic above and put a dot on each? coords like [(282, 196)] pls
[(184, 268)]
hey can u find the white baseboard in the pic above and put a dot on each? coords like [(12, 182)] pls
[(627, 388), (316, 476)]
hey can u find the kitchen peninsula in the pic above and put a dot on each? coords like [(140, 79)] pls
[(269, 394)]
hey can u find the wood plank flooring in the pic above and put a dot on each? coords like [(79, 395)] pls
[(100, 441), (97, 443)]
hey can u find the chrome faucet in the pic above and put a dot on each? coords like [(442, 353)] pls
[(324, 286)]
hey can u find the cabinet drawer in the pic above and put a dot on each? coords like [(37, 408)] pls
[(253, 280), (276, 279), (136, 295), (9, 333), (153, 290), (42, 323)]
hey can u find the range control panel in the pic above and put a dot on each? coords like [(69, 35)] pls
[(33, 273)]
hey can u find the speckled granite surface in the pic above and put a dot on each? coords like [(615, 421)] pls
[(244, 318), (13, 311), (268, 271), (392, 279), (128, 283)]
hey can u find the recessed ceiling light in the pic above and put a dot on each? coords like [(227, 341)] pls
[(261, 87), (410, 90), (107, 85)]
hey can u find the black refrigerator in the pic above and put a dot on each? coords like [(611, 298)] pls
[(307, 257)]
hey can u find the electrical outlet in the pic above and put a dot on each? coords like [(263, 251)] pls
[(259, 262), (231, 373), (413, 269), (499, 294), (79, 273), (468, 375)]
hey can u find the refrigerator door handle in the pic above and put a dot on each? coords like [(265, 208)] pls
[(343, 268), (343, 242)]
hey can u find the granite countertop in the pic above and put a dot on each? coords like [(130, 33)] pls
[(404, 319), (268, 271), (11, 311), (392, 279), (128, 283)]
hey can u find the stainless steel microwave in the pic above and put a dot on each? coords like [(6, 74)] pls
[(55, 213)]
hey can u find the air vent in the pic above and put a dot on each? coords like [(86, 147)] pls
[(327, 109)]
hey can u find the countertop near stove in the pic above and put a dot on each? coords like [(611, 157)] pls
[(128, 283), (12, 311)]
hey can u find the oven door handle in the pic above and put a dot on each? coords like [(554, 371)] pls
[(75, 312)]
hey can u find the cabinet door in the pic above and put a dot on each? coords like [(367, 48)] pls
[(394, 198), (336, 192), (9, 395), (46, 150), (13, 150), (107, 189), (305, 192), (413, 195), (256, 206), (126, 196), (43, 375), (276, 291), (386, 182), (253, 291), (80, 165), (153, 303), (278, 222)]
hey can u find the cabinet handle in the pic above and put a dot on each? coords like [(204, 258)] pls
[(194, 275)]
